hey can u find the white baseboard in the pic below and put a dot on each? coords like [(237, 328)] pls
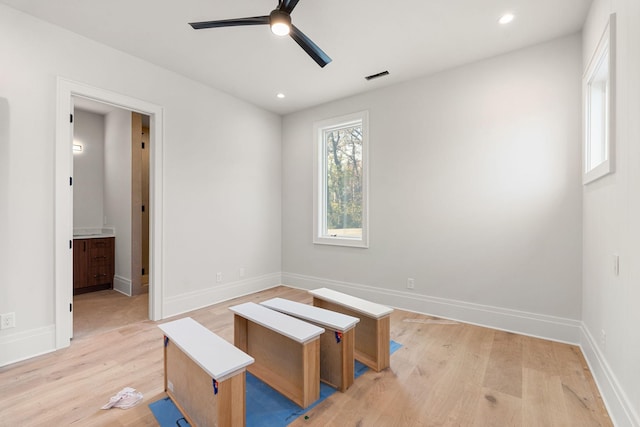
[(122, 285), (27, 344), (218, 293), (618, 405), (521, 322)]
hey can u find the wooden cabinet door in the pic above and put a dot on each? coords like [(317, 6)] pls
[(80, 263), (93, 264)]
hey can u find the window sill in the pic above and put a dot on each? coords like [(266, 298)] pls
[(341, 241)]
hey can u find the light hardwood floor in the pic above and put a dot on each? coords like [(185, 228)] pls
[(98, 312), (445, 374)]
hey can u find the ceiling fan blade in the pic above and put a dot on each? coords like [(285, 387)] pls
[(256, 20), (310, 47), (288, 5)]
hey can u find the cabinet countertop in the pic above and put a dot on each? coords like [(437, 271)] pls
[(92, 236)]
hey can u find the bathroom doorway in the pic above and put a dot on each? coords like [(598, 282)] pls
[(110, 208)]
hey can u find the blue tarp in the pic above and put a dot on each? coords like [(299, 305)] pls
[(265, 406)]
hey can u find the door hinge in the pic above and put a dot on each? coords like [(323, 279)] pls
[(70, 307), (70, 118), (142, 208), (70, 244), (143, 271), (70, 180), (143, 145)]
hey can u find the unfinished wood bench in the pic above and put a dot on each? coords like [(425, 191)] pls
[(373, 330), (204, 375), (286, 350), (336, 344)]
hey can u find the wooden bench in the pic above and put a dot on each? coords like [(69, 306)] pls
[(336, 344), (286, 350), (204, 375), (373, 330)]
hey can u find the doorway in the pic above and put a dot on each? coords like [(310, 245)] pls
[(111, 213), (64, 199)]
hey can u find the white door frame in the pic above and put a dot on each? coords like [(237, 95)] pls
[(63, 232)]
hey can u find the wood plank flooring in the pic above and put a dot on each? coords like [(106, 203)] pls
[(97, 312), (445, 374)]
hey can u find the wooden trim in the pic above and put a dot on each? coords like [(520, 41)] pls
[(136, 203)]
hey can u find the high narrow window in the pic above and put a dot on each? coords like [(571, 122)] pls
[(340, 181), (599, 102)]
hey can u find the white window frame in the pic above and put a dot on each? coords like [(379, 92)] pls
[(600, 107), (319, 183)]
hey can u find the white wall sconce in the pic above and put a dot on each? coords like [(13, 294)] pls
[(77, 148)]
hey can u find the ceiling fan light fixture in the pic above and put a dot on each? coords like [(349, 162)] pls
[(280, 22)]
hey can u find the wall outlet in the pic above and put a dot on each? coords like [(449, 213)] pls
[(7, 320), (218, 277), (411, 283), (241, 272)]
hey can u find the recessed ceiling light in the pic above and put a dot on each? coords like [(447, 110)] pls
[(280, 95), (506, 18)]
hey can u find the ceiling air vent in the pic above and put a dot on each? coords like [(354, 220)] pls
[(377, 76)]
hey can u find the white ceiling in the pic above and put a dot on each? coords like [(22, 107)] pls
[(411, 38)]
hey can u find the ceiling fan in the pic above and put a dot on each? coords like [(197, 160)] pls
[(280, 22)]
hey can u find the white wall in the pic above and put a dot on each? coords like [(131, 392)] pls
[(222, 175), (117, 191), (474, 192), (612, 225), (88, 170), (5, 195)]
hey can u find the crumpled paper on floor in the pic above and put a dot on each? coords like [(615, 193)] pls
[(126, 398)]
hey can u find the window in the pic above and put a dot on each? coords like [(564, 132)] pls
[(599, 100), (340, 181)]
